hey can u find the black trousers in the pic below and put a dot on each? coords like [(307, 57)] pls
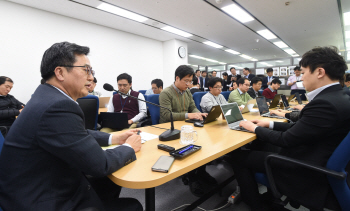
[(301, 92), (109, 195)]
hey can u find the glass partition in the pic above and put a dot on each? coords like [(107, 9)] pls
[(296, 61)]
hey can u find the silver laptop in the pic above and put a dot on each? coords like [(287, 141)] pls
[(250, 102), (264, 108), (233, 116)]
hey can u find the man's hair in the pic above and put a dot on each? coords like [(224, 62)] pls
[(269, 70), (224, 74), (232, 68), (197, 71), (3, 79), (60, 54), (246, 68), (255, 80), (347, 77), (95, 80), (241, 81), (276, 81), (204, 71), (213, 72), (194, 80), (42, 81), (183, 70), (326, 58), (213, 81), (297, 68), (157, 82), (125, 76)]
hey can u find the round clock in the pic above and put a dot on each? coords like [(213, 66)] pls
[(182, 51)]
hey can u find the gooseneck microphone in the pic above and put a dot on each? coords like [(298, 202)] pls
[(168, 135)]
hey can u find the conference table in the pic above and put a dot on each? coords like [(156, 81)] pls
[(215, 138)]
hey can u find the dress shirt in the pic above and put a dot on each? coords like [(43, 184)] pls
[(209, 100), (293, 78), (272, 90), (181, 93), (149, 92), (142, 107), (269, 79), (247, 76)]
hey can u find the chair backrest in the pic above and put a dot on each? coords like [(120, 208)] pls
[(2, 139), (143, 91), (90, 106), (197, 97), (226, 94), (115, 93), (337, 162), (153, 110)]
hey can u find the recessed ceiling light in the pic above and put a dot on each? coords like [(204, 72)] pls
[(232, 51), (197, 57), (346, 17), (245, 56), (280, 44), (211, 60), (254, 60), (212, 44), (279, 61), (238, 13), (267, 34), (289, 51), (121, 12), (295, 55), (222, 63), (176, 31), (265, 63), (347, 34)]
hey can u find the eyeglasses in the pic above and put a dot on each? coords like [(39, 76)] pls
[(219, 87), (188, 82), (87, 69), (246, 84)]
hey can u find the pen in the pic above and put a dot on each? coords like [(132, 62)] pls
[(187, 148), (138, 132)]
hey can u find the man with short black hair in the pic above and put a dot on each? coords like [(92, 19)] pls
[(92, 90), (246, 73), (270, 92), (347, 81), (225, 82), (157, 87), (292, 82), (323, 124), (240, 95), (10, 107), (256, 85), (198, 75), (233, 78), (268, 79), (213, 97), (178, 98), (213, 74), (194, 87), (203, 80)]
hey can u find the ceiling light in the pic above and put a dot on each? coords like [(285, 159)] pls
[(347, 34), (232, 51), (222, 63), (254, 60), (265, 63), (211, 60), (289, 51), (212, 44), (346, 18), (176, 31), (281, 44), (238, 13), (267, 34), (295, 55), (197, 57), (269, 65), (245, 56), (279, 61), (121, 12)]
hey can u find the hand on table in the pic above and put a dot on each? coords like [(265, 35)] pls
[(299, 107), (261, 123), (278, 112), (248, 125), (121, 138), (197, 115)]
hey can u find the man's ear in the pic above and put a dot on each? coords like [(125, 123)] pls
[(59, 73), (320, 72)]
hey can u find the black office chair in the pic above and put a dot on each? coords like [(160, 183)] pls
[(90, 105)]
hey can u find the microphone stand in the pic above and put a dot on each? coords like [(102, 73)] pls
[(168, 135)]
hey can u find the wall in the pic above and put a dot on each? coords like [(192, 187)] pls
[(27, 32)]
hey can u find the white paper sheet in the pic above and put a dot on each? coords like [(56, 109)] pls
[(144, 137)]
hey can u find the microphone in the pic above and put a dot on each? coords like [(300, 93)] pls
[(168, 135)]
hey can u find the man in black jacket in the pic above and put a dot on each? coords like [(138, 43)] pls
[(323, 124), (256, 86), (10, 107), (268, 79)]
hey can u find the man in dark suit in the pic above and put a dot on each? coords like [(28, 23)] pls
[(256, 85), (204, 80), (268, 79), (48, 155), (246, 74), (323, 124), (233, 77), (225, 82)]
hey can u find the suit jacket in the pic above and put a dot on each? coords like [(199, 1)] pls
[(47, 153), (230, 76), (323, 124), (201, 82), (265, 80), (251, 92), (225, 85), (250, 76)]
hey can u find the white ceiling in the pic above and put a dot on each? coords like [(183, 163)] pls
[(301, 25)]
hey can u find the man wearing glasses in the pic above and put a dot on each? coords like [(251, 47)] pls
[(48, 154), (240, 95), (157, 87), (214, 96), (178, 98)]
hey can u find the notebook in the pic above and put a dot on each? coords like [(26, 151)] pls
[(114, 120), (264, 108), (251, 103), (233, 116)]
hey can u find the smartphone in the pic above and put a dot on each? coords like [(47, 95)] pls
[(163, 164)]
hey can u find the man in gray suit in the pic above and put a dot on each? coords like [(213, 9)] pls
[(48, 155)]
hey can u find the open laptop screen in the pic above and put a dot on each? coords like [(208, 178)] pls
[(285, 101), (297, 95), (262, 105), (232, 113)]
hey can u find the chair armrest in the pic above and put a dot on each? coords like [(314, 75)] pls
[(5, 129), (144, 122), (335, 174)]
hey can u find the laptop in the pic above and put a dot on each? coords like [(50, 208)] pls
[(264, 108), (250, 102), (103, 101), (233, 116), (114, 120), (286, 102), (213, 114), (275, 101), (297, 95)]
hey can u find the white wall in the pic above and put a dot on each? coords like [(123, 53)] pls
[(25, 34)]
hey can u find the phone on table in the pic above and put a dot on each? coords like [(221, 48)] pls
[(163, 164)]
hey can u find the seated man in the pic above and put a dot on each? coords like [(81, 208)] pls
[(268, 79), (194, 87), (92, 90), (136, 109), (323, 124), (233, 86), (213, 97), (240, 95), (157, 87), (48, 153), (271, 91), (178, 98), (10, 107), (225, 83), (256, 85)]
